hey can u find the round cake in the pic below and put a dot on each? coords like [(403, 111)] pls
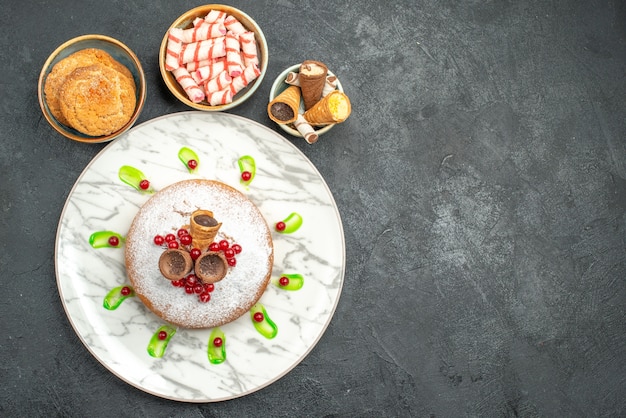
[(168, 211)]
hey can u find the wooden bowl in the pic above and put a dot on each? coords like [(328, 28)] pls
[(186, 21)]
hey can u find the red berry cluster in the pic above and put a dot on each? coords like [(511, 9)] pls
[(194, 286), (230, 251), (181, 238)]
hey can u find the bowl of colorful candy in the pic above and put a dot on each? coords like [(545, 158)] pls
[(213, 57)]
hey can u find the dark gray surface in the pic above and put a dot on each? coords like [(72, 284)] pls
[(482, 184)]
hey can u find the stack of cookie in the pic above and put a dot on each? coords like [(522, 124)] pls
[(91, 92)]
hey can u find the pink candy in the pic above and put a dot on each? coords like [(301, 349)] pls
[(214, 59)]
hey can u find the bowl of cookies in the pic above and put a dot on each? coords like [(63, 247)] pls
[(213, 57), (92, 88), (307, 100)]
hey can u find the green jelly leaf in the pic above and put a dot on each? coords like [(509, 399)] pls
[(156, 347), (266, 327), (185, 154), (247, 163), (114, 298), (100, 239), (133, 176), (296, 281), (217, 355), (293, 222)]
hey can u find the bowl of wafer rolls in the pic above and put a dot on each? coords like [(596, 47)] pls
[(307, 100), (92, 88), (213, 57)]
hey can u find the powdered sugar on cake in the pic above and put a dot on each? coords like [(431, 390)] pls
[(242, 223)]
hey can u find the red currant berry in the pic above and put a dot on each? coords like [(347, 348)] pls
[(258, 317), (217, 341), (280, 226), (159, 240), (177, 283), (246, 176), (144, 184), (191, 279), (231, 261), (209, 287), (192, 164), (188, 289), (229, 253), (214, 246), (284, 281), (224, 244), (125, 291), (204, 297), (237, 248), (195, 253), (198, 288), (170, 238), (172, 244), (181, 232), (162, 335), (185, 239), (114, 241)]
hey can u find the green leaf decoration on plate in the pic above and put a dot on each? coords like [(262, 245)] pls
[(102, 239), (135, 179), (189, 158), (262, 322), (116, 296), (290, 224), (289, 282), (247, 169), (160, 339), (217, 346)]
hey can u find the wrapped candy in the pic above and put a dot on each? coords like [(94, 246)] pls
[(250, 74), (194, 92), (234, 25), (174, 47), (248, 48), (209, 71), (220, 82), (220, 97), (203, 30), (202, 50), (233, 55)]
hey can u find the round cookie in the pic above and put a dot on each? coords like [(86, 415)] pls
[(97, 100), (242, 223), (63, 68)]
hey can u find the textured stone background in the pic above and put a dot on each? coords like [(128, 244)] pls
[(481, 180)]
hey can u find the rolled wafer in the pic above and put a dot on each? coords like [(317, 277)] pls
[(334, 108), (306, 130), (203, 229), (312, 79), (284, 108)]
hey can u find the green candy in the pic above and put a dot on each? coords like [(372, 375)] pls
[(114, 298), (293, 222), (100, 239), (266, 327), (157, 346), (247, 163), (133, 177), (185, 155), (217, 354), (296, 281)]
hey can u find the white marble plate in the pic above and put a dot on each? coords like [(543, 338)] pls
[(286, 181)]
